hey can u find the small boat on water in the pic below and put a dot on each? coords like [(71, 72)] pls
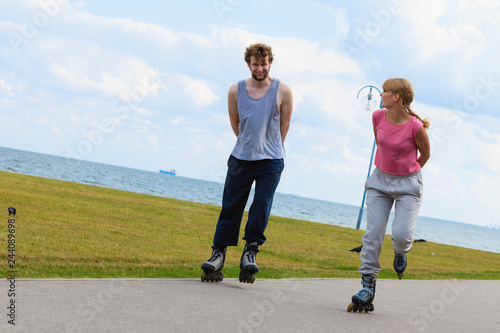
[(171, 172)]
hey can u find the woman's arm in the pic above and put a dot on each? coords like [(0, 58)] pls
[(423, 145)]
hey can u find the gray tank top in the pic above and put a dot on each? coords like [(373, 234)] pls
[(259, 135)]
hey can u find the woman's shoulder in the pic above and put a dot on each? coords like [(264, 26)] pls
[(378, 115), (416, 123)]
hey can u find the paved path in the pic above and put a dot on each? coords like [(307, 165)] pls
[(301, 305)]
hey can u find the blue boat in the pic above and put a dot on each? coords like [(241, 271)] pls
[(171, 172)]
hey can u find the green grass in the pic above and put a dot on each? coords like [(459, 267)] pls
[(70, 230)]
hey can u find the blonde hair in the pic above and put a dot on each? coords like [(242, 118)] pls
[(405, 90)]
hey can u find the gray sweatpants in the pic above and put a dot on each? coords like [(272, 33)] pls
[(383, 191)]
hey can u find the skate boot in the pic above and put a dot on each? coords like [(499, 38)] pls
[(399, 264), (248, 267), (212, 268), (362, 301)]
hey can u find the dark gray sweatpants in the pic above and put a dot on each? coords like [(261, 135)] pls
[(383, 191)]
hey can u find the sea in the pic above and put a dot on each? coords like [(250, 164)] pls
[(209, 192)]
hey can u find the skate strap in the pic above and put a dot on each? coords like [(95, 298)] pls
[(252, 247), (220, 248), (368, 283)]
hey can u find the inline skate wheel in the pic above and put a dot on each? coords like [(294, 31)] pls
[(212, 277), (350, 308), (245, 277)]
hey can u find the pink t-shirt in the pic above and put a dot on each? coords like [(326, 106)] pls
[(396, 151)]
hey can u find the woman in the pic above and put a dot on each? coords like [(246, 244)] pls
[(403, 148)]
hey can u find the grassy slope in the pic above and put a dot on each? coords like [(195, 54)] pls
[(72, 230)]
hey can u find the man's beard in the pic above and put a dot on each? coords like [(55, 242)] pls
[(256, 78)]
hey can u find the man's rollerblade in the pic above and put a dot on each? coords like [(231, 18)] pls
[(399, 264), (248, 267), (362, 301), (212, 268)]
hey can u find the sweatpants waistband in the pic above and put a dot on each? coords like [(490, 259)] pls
[(388, 175)]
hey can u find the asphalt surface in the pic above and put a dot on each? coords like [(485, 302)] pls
[(290, 305)]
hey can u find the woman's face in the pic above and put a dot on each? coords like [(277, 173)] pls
[(389, 99)]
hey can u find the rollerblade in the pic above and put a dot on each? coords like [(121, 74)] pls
[(212, 268), (399, 264), (362, 301), (248, 267)]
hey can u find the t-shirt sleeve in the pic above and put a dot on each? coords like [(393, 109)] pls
[(377, 116), (417, 124)]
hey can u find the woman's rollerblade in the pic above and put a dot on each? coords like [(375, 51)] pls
[(362, 301), (399, 264), (248, 267), (212, 268)]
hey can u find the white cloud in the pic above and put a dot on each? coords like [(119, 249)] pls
[(57, 130), (332, 103), (299, 56), (178, 120), (490, 153), (152, 139), (109, 85), (466, 6), (133, 29), (484, 189), (142, 112), (73, 119), (8, 88), (199, 91), (434, 37), (294, 56)]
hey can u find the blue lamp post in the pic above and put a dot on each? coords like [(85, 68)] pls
[(368, 108)]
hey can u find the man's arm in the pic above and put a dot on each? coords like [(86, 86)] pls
[(286, 107), (232, 106)]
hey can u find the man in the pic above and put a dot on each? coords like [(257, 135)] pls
[(260, 109)]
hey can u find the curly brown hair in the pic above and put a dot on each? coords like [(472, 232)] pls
[(259, 51)]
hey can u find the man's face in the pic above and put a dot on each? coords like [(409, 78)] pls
[(259, 67)]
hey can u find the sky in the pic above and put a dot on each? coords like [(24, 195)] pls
[(143, 84)]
